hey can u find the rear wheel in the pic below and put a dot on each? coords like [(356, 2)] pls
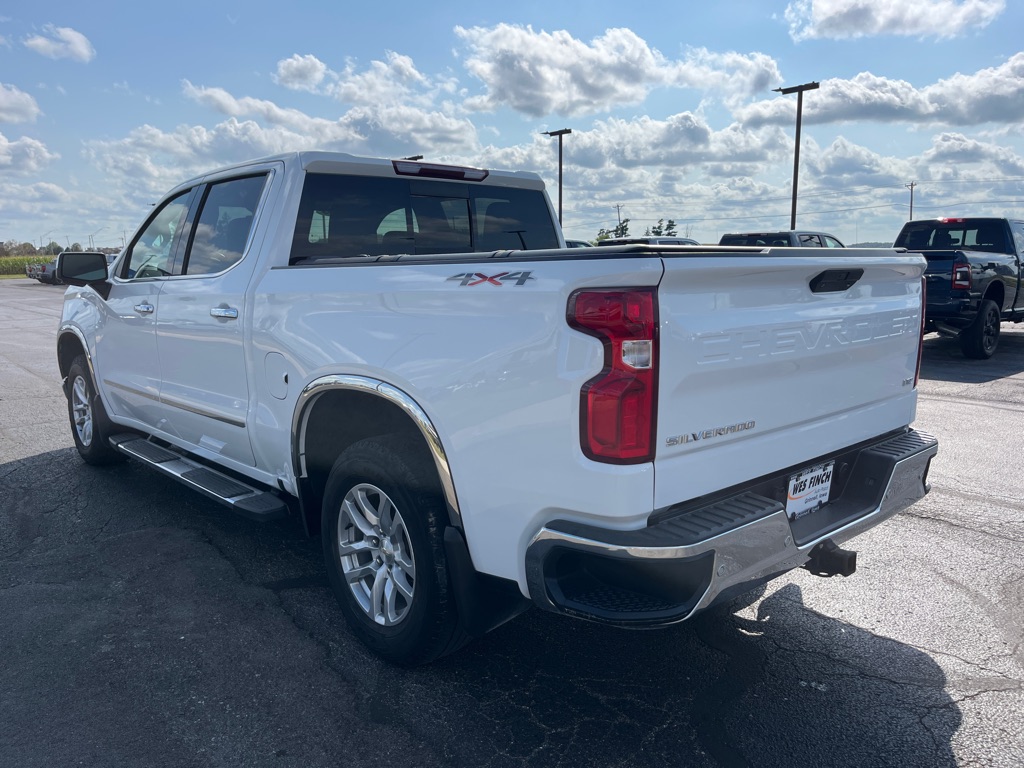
[(383, 526), (90, 426), (980, 339)]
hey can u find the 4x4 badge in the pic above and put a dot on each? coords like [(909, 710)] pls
[(478, 278)]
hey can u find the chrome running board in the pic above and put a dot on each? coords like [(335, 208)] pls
[(244, 499)]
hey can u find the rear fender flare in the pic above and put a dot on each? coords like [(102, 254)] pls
[(393, 395)]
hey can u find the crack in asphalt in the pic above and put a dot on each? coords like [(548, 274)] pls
[(994, 404), (953, 524), (986, 498)]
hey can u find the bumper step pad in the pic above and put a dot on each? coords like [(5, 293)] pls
[(251, 502), (690, 556)]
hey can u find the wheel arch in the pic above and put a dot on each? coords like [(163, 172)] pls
[(70, 344), (997, 293), (336, 411)]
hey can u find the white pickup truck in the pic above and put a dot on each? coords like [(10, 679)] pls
[(476, 419)]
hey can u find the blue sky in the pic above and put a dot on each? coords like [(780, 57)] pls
[(104, 106)]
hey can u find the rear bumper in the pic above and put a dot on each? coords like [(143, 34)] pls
[(952, 314), (694, 556)]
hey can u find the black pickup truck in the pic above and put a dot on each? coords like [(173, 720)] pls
[(787, 239), (973, 277)]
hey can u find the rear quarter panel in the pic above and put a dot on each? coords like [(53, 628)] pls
[(495, 366)]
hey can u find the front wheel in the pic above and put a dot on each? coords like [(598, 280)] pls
[(90, 426), (383, 527), (980, 339)]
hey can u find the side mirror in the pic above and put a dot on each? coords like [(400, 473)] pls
[(84, 268)]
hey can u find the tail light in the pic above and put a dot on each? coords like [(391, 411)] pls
[(618, 406), (961, 276)]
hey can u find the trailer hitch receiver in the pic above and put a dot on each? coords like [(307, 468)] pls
[(827, 559)]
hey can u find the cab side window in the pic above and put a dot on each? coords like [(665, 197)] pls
[(222, 229), (152, 253)]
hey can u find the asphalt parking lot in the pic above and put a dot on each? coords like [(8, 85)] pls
[(141, 624)]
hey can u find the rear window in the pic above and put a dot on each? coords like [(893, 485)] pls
[(350, 216), (761, 239), (970, 234)]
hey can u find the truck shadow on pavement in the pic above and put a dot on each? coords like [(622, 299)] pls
[(942, 359), (144, 624), (776, 685)]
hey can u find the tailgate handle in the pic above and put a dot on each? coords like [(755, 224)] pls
[(835, 280)]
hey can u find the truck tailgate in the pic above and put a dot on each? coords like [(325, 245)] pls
[(760, 372)]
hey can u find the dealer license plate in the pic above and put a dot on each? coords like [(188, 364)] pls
[(808, 490)]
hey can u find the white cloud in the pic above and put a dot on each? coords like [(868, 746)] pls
[(390, 127), (149, 161), (16, 106), (62, 43), (218, 99), (844, 165), (393, 81), (951, 152), (24, 156), (543, 73), (838, 19), (300, 73), (420, 131), (994, 94)]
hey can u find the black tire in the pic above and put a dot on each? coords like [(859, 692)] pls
[(383, 538), (980, 339), (90, 426)]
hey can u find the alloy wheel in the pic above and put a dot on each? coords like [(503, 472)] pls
[(375, 554), (81, 407)]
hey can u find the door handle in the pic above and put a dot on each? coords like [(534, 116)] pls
[(144, 309), (229, 313)]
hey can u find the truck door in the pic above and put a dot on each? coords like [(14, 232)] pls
[(126, 343), (204, 390)]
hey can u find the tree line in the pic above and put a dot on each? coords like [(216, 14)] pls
[(661, 229), (14, 248)]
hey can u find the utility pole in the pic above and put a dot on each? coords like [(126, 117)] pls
[(911, 186), (560, 134), (618, 212), (799, 91)]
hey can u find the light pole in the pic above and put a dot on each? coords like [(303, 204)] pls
[(92, 246), (559, 134), (41, 239), (799, 91)]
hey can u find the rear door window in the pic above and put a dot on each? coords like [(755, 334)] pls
[(222, 229), (345, 217)]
